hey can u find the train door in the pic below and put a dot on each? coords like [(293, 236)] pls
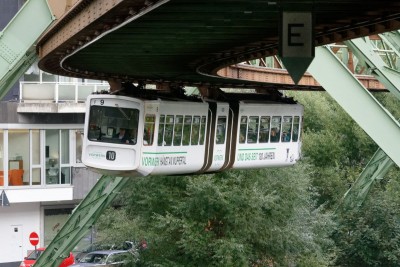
[(221, 137)]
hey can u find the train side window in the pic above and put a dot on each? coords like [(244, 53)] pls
[(178, 130), (275, 128), (243, 130), (169, 130), (296, 127), (161, 126), (252, 130), (194, 140), (187, 126), (286, 128), (202, 129), (264, 129), (221, 130), (148, 134)]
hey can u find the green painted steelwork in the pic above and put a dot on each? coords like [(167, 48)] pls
[(17, 41), (81, 220), (380, 163), (376, 169), (392, 39), (341, 84), (363, 49)]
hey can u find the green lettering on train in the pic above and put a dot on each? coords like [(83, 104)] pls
[(255, 154), (163, 159)]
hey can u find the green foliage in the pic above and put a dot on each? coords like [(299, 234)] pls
[(231, 219), (370, 235)]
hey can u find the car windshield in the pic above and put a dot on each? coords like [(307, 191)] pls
[(34, 255), (94, 258)]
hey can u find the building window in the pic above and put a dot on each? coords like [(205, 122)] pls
[(18, 157), (1, 158)]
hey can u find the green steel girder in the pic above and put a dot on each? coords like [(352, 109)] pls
[(392, 39), (355, 99), (376, 169), (380, 163), (363, 49), (17, 41), (81, 220)]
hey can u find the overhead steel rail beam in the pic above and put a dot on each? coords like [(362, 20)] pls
[(81, 220), (18, 39)]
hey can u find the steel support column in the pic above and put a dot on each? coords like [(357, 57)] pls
[(17, 51), (355, 99), (80, 221)]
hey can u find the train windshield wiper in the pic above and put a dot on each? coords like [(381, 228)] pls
[(123, 112)]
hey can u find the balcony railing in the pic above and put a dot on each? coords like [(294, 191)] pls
[(58, 92)]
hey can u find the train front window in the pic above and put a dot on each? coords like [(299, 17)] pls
[(113, 125), (286, 129)]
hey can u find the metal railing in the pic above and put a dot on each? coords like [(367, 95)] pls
[(58, 92)]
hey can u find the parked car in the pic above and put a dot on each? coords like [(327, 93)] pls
[(34, 255), (107, 258), (127, 245)]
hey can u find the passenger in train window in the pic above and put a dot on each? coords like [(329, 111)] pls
[(274, 135), (123, 136), (285, 137)]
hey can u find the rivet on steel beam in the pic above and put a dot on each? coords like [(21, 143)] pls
[(132, 11)]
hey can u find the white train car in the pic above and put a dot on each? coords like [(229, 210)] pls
[(128, 136), (267, 135), (132, 137), (174, 140)]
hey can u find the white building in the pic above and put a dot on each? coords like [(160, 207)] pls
[(41, 174)]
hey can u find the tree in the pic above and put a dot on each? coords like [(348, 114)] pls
[(240, 218)]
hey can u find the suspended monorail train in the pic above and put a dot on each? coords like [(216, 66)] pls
[(130, 136)]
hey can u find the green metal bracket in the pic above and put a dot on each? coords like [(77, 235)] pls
[(80, 221), (376, 169), (17, 41)]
